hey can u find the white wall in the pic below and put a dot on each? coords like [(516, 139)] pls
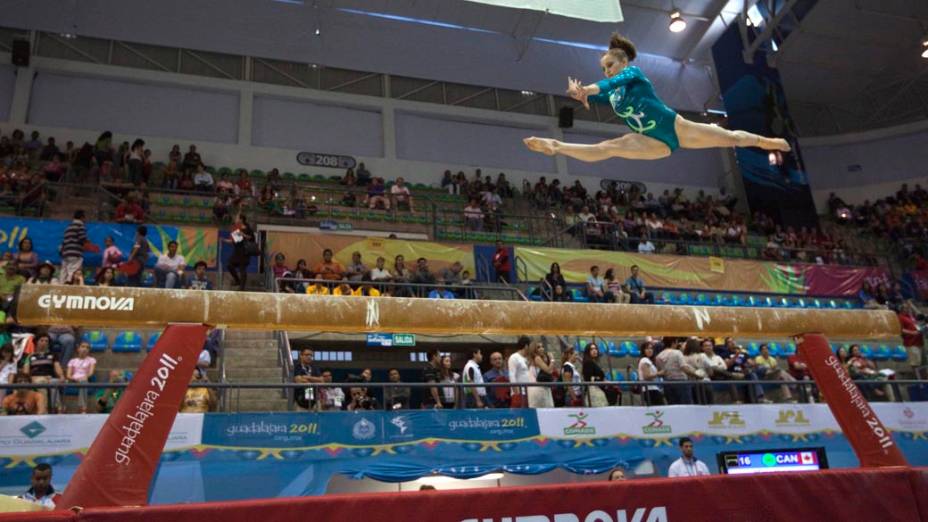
[(252, 125), (130, 107), (869, 165), (7, 85)]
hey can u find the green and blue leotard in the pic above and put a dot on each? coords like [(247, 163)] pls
[(632, 97)]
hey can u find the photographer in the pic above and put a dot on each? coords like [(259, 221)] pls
[(359, 398)]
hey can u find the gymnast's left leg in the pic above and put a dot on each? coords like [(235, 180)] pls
[(629, 146), (694, 135)]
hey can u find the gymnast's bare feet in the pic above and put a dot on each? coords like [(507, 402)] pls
[(545, 146)]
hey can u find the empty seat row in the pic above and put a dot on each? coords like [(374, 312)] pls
[(128, 341)]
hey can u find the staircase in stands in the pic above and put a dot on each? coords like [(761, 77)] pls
[(251, 357)]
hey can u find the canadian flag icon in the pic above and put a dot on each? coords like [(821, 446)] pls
[(807, 457)]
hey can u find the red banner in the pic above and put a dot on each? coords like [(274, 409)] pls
[(836, 280), (120, 464), (871, 441), (875, 494)]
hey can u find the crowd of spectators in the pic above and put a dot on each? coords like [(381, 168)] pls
[(901, 218), (329, 277), (669, 371)]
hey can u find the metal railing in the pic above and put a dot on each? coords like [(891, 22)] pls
[(894, 389), (610, 236)]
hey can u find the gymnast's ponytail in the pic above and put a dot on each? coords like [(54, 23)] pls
[(622, 47)]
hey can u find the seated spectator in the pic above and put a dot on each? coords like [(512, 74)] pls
[(349, 199), (198, 280), (552, 280), (198, 399), (329, 269), (585, 216), (473, 215), (43, 367), (356, 270), (186, 181), (54, 170), (400, 195), (243, 184), (343, 288), (396, 398), (10, 279), (423, 275), (742, 368), (768, 368), (24, 401), (861, 368), (614, 292), (222, 208), (366, 289), (225, 186), (452, 274), (349, 179), (447, 183), (203, 180), (376, 195), (107, 277), (169, 269), (645, 246), (440, 292), (317, 288), (80, 369), (379, 274), (595, 286), (636, 288), (305, 373), (561, 294), (279, 268), (45, 275), (300, 272)]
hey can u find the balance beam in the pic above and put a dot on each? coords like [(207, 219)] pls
[(155, 308)]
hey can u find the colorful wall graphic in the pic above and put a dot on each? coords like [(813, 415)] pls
[(194, 243), (294, 454), (708, 273)]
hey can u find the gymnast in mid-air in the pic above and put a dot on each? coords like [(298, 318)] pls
[(657, 129)]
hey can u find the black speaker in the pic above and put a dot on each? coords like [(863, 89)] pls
[(21, 53), (565, 118)]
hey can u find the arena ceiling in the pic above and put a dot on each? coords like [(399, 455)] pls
[(849, 65)]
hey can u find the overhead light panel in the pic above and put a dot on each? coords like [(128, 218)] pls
[(677, 23), (925, 48)]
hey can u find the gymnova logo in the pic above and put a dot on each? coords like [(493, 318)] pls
[(579, 427), (87, 302), (656, 425), (642, 514)]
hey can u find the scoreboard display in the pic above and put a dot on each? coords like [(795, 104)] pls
[(772, 461)]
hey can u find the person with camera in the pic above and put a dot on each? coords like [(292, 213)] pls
[(360, 400)]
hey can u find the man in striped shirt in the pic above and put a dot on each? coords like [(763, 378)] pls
[(72, 247)]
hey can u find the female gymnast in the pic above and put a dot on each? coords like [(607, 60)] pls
[(657, 129)]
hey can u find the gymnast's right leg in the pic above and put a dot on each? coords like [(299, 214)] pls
[(629, 146)]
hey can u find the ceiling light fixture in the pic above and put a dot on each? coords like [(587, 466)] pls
[(925, 48), (677, 23)]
